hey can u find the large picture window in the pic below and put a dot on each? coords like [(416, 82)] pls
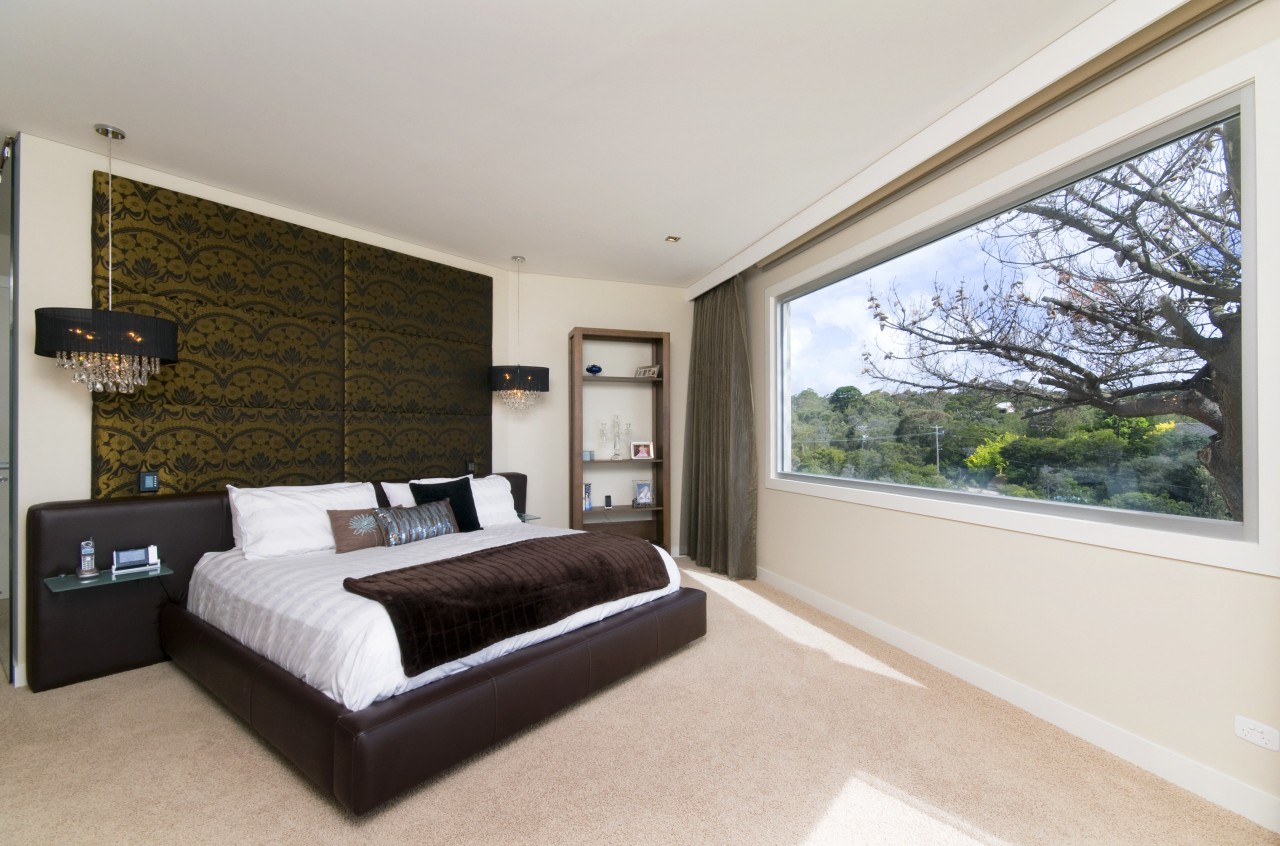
[(1081, 347)]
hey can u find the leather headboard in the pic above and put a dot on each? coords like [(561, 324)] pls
[(65, 639)]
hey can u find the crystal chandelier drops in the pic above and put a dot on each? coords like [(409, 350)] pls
[(518, 400), (101, 372)]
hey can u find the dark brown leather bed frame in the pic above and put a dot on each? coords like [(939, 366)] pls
[(363, 758)]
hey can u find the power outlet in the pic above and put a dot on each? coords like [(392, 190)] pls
[(1257, 733)]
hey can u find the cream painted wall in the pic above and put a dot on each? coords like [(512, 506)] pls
[(1159, 654), (54, 416)]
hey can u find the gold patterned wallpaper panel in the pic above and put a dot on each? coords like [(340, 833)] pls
[(419, 339), (260, 393)]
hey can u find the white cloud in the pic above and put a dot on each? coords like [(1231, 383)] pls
[(831, 327)]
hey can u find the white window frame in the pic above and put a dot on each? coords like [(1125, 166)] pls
[(1249, 545)]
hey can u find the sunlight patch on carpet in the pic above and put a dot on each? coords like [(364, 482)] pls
[(799, 630), (870, 812)]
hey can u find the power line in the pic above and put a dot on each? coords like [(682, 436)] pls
[(864, 438)]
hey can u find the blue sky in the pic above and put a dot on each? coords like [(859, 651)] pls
[(830, 328)]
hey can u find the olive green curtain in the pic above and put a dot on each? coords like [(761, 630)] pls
[(718, 518)]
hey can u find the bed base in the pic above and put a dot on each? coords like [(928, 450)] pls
[(364, 758)]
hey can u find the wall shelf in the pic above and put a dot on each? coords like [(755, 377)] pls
[(587, 377), (622, 462), (61, 584), (600, 514), (642, 349)]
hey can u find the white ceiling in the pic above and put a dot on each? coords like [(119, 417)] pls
[(578, 133)]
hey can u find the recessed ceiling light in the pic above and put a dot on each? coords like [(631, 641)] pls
[(671, 239)]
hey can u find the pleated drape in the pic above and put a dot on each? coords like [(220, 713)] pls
[(718, 518)]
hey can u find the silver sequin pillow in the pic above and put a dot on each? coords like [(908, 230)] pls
[(416, 523)]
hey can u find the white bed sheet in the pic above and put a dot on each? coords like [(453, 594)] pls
[(295, 611)]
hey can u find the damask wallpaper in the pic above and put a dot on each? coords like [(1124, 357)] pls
[(303, 358), (418, 343)]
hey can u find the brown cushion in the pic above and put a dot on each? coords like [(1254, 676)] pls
[(356, 529)]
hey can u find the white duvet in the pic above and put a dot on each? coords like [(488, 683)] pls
[(295, 611)]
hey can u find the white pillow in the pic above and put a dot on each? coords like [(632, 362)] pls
[(494, 502), (234, 492), (291, 520), (398, 493)]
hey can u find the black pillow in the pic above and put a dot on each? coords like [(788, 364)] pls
[(458, 492)]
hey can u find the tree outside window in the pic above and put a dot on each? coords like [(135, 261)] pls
[(1083, 347)]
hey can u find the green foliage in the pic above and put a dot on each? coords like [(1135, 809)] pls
[(1064, 422), (842, 398), (988, 455), (1155, 503), (1020, 491), (1072, 455), (1027, 458), (827, 461)]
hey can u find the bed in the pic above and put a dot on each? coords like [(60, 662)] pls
[(362, 756)]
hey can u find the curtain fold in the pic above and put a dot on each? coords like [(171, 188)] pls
[(718, 517)]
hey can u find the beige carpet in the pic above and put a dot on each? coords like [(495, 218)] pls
[(746, 737)]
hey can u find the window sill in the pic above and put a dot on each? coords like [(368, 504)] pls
[(1213, 543)]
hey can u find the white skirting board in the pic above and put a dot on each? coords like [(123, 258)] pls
[(1219, 788)]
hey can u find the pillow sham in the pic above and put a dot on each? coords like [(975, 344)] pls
[(416, 523), (232, 493), (458, 493), (398, 493), (493, 500), (356, 529), (274, 522)]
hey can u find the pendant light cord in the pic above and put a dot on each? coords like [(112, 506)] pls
[(110, 214), (519, 260)]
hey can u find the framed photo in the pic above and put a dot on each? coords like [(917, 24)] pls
[(650, 372), (642, 449), (642, 493)]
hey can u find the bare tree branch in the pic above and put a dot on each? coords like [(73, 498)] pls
[(1121, 292)]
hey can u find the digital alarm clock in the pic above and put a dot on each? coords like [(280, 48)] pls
[(135, 560)]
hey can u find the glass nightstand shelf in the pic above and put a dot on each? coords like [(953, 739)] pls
[(61, 584)]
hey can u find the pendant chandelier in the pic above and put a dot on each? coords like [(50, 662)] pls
[(105, 350), (517, 385)]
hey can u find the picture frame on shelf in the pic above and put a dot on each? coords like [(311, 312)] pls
[(642, 494), (650, 372), (642, 450), (586, 496)]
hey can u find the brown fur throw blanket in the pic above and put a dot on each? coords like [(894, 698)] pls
[(443, 610)]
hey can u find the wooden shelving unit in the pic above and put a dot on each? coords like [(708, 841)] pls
[(649, 348)]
